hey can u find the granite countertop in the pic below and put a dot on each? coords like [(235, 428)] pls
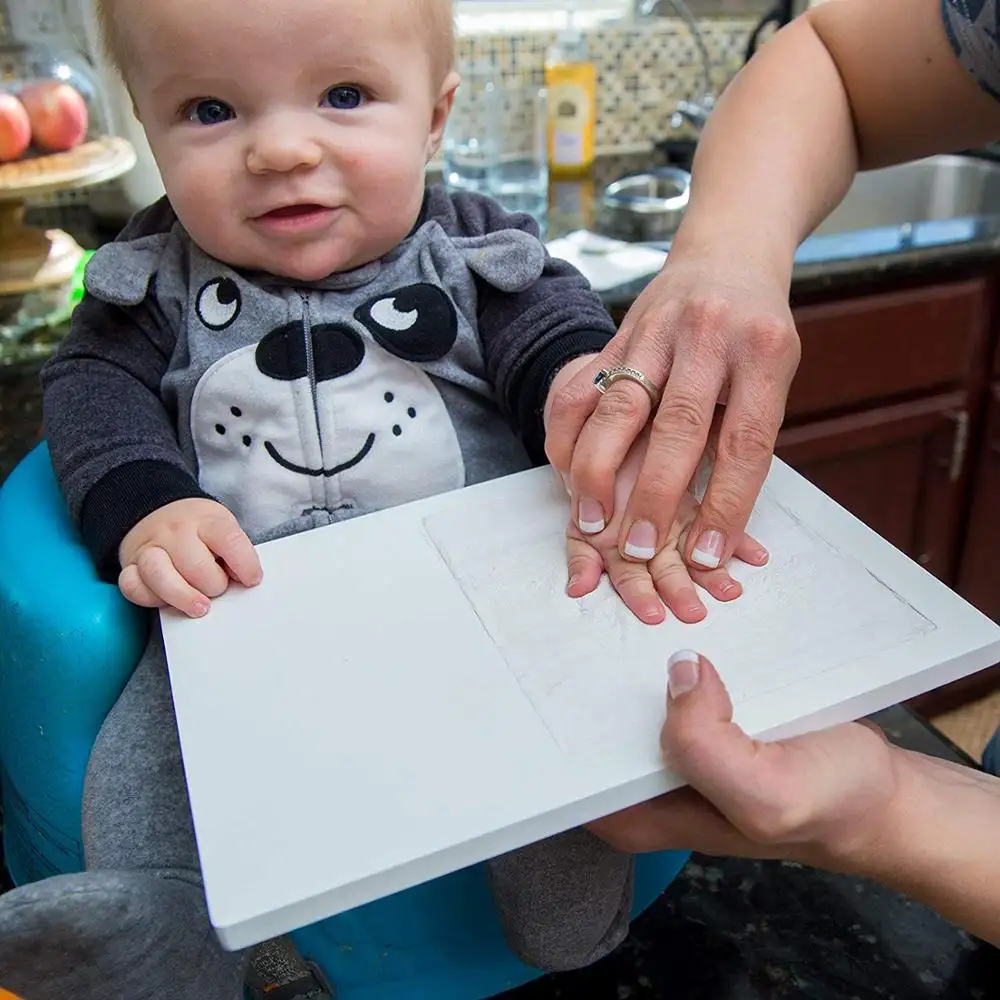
[(730, 929), (823, 263)]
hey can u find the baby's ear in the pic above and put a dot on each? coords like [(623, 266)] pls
[(509, 260), (120, 273), (442, 111)]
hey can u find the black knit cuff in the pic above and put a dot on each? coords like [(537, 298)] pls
[(533, 388), (119, 501)]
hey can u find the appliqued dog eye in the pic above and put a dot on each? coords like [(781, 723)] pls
[(385, 313), (219, 303), (415, 323)]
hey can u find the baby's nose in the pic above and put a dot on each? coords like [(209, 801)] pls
[(281, 146)]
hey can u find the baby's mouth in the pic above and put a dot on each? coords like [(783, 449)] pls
[(303, 219), (295, 211)]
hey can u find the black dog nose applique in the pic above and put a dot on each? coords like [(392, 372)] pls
[(337, 351)]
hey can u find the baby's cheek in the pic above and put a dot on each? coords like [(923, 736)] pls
[(393, 186)]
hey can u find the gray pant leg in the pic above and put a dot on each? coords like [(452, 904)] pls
[(136, 814), (564, 902), (135, 925)]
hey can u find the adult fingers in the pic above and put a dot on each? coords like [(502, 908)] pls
[(743, 456), (574, 403), (678, 821), (618, 417), (676, 444)]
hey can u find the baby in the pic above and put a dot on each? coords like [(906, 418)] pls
[(301, 332)]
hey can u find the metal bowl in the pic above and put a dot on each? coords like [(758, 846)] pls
[(646, 207)]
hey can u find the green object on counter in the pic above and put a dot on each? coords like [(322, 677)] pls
[(76, 290), (30, 336)]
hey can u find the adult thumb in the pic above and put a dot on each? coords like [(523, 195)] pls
[(700, 741), (696, 696)]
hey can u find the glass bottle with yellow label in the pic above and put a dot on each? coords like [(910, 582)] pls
[(571, 81)]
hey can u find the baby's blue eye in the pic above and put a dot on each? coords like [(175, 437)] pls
[(211, 112), (343, 98)]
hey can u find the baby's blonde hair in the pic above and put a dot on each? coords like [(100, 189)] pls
[(436, 16), (112, 38)]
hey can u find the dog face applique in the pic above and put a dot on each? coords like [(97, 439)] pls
[(327, 415)]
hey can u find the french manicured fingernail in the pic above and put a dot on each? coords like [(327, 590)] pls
[(708, 551), (590, 517), (200, 609), (641, 543), (684, 672)]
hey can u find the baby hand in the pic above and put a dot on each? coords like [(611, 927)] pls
[(665, 579), (184, 554)]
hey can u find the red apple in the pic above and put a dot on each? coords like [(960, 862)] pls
[(58, 115), (15, 128)]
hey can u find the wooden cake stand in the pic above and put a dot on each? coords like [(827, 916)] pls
[(33, 259)]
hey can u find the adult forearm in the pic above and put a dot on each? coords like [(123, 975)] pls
[(939, 843), (777, 155), (852, 84)]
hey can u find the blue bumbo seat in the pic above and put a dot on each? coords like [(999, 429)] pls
[(68, 644)]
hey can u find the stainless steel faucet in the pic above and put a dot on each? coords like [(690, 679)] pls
[(695, 112)]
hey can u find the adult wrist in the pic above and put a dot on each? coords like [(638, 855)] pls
[(898, 841), (714, 244)]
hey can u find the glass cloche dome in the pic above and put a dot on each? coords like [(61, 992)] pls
[(49, 82)]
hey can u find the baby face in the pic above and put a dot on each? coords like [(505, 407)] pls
[(291, 138)]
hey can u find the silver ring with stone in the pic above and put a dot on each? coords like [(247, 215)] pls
[(607, 377)]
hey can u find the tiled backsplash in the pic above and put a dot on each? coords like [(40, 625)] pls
[(643, 70)]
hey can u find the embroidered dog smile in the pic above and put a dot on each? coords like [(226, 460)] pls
[(336, 470)]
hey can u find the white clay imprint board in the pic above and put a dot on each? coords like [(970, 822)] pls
[(418, 692)]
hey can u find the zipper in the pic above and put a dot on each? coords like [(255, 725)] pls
[(311, 365)]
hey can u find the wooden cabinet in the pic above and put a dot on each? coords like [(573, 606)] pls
[(884, 406), (888, 415), (897, 468), (861, 350), (979, 571)]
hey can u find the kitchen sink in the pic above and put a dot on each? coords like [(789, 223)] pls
[(935, 189), (931, 202)]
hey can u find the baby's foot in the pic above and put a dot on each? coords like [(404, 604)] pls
[(141, 935)]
